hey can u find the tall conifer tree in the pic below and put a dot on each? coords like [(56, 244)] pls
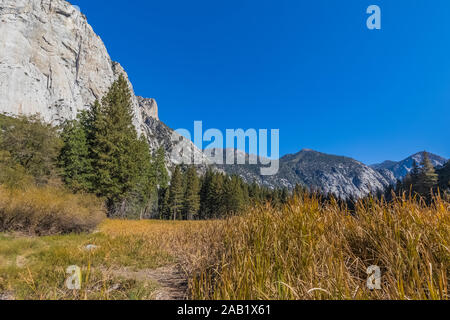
[(74, 158), (428, 178), (192, 194), (118, 154), (176, 194), (444, 177), (162, 177)]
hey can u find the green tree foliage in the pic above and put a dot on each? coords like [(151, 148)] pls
[(74, 158), (428, 178), (176, 194), (192, 194), (113, 146), (444, 177), (284, 195), (163, 203), (30, 145), (215, 197), (422, 180), (103, 154), (162, 183), (414, 176), (221, 195), (12, 174), (162, 176), (233, 198), (144, 194), (204, 194)]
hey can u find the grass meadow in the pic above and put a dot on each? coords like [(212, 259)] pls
[(306, 249)]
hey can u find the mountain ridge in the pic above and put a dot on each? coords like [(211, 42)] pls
[(53, 63), (397, 170), (330, 174)]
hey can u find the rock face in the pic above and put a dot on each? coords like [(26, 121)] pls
[(149, 107), (160, 135), (344, 177), (341, 176), (51, 61), (53, 64)]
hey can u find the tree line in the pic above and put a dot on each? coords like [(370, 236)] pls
[(101, 153), (213, 195)]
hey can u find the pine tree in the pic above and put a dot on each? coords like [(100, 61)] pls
[(192, 194), (215, 196), (204, 194), (275, 198), (74, 158), (233, 198), (444, 177), (87, 119), (176, 194), (414, 177), (407, 184), (162, 177), (428, 178), (163, 203), (114, 144), (144, 192)]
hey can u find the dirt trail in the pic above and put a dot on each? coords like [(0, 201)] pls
[(171, 280)]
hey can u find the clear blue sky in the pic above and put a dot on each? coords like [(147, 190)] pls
[(310, 68)]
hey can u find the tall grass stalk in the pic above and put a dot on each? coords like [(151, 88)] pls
[(314, 250)]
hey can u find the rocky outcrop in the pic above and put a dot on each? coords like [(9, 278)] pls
[(341, 176), (149, 107), (53, 64), (160, 135)]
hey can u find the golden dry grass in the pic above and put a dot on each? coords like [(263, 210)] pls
[(309, 250), (305, 250), (48, 210), (35, 267)]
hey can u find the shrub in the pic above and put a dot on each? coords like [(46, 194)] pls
[(12, 174), (31, 144), (48, 210)]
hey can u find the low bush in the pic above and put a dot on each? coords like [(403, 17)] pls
[(48, 210)]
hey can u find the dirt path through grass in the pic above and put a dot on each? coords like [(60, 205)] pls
[(171, 281)]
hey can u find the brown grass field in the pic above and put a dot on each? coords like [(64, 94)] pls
[(305, 250)]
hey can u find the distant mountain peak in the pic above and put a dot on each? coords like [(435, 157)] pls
[(330, 174), (394, 171)]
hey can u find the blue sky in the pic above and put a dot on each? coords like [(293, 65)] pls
[(309, 68)]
